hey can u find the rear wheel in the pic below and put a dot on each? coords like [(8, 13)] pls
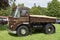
[(49, 29), (22, 31)]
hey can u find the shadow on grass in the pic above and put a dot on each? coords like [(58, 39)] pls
[(15, 35), (12, 34), (3, 27), (35, 32)]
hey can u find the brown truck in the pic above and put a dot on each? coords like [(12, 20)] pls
[(22, 24)]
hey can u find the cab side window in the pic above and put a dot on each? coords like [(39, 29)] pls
[(23, 12)]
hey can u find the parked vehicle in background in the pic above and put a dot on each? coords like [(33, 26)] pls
[(3, 5), (3, 20)]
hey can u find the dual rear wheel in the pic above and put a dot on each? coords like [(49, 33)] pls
[(49, 29)]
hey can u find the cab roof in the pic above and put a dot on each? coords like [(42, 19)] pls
[(23, 8)]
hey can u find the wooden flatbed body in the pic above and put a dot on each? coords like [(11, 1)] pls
[(42, 18)]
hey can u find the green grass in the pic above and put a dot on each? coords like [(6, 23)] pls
[(39, 36)]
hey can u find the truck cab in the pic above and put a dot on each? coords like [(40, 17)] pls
[(19, 17)]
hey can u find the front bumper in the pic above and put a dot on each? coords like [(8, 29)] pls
[(10, 31)]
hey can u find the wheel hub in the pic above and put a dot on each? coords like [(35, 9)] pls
[(23, 31), (49, 29)]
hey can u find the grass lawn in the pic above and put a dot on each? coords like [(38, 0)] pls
[(39, 36)]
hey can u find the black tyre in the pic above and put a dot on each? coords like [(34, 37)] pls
[(49, 29), (22, 31)]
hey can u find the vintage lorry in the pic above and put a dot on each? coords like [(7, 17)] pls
[(22, 24)]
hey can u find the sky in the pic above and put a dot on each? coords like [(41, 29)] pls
[(30, 3)]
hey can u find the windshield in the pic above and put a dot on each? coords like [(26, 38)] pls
[(15, 13), (12, 12)]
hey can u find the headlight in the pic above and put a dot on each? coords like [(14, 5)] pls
[(11, 26)]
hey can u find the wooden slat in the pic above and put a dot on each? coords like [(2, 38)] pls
[(41, 19)]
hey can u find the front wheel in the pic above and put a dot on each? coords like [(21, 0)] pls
[(49, 29), (22, 31)]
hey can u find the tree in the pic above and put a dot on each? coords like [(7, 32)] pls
[(34, 10), (38, 10), (54, 8), (3, 4), (21, 4), (13, 5), (5, 12), (4, 8)]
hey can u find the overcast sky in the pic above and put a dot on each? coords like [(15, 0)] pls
[(30, 3)]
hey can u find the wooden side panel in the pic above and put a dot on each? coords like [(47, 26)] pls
[(41, 19)]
